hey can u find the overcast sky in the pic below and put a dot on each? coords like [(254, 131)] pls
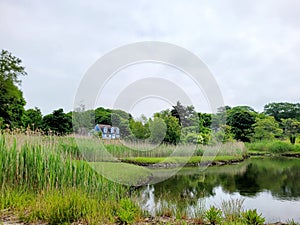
[(251, 47)]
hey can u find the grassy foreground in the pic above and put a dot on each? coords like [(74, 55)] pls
[(50, 179), (41, 180)]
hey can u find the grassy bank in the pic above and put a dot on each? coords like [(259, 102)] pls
[(41, 179), (272, 147), (123, 173), (187, 161)]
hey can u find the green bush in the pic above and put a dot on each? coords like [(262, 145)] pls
[(127, 212), (213, 215), (275, 147), (251, 217), (281, 147), (57, 207)]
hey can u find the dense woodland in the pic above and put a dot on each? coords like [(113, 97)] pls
[(181, 123)]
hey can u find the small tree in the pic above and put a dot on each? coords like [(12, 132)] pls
[(58, 122), (32, 118), (241, 119), (291, 129), (158, 130), (266, 128)]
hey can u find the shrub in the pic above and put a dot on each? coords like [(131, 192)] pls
[(128, 212), (251, 217), (213, 215), (57, 207), (281, 147)]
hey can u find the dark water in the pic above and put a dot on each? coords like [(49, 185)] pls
[(270, 185)]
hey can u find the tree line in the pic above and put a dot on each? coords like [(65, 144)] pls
[(178, 124)]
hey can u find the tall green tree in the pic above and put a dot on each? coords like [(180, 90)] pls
[(32, 118), (283, 110), (241, 121), (83, 120), (58, 122), (186, 115), (103, 116), (173, 132), (139, 129), (266, 128), (291, 128), (158, 130), (11, 97)]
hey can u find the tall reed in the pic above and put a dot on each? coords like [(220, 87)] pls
[(41, 167)]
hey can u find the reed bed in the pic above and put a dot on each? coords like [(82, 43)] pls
[(38, 164), (181, 150)]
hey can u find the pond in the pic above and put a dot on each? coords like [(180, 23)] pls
[(270, 185)]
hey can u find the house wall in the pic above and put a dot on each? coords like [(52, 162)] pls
[(108, 132)]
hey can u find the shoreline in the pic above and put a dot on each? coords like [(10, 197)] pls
[(13, 220), (168, 165)]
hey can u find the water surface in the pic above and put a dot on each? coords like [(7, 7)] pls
[(270, 185)]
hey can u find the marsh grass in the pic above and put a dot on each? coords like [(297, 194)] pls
[(181, 150), (274, 147), (38, 167), (41, 178), (232, 209)]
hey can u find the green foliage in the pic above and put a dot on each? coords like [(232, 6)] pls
[(127, 212), (14, 198), (283, 110), (10, 67), (58, 207), (158, 130), (204, 120), (186, 115), (83, 120), (103, 116), (266, 128), (213, 215), (11, 97), (291, 128), (139, 130), (181, 159), (241, 121), (224, 134), (121, 119), (55, 206), (280, 147), (173, 132), (275, 147), (251, 217), (58, 122), (32, 119), (40, 165)]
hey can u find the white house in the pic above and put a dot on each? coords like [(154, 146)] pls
[(108, 132)]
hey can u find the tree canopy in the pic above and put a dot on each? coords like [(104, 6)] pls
[(11, 97), (283, 110)]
